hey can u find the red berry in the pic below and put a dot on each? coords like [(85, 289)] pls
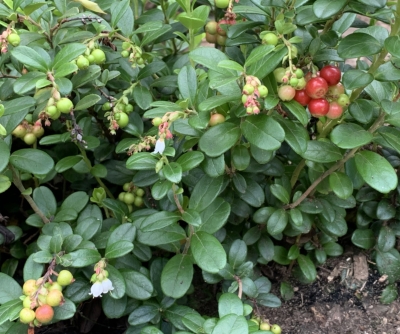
[(335, 110), (286, 93), (44, 314), (318, 107), (221, 31), (331, 74), (302, 97), (317, 87)]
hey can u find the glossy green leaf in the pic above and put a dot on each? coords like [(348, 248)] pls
[(350, 136), (177, 276), (219, 139)]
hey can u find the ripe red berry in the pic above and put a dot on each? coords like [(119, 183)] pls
[(335, 110), (318, 107), (286, 93), (317, 87), (331, 74), (302, 97)]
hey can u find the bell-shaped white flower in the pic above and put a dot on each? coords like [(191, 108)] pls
[(96, 290), (160, 146), (107, 285)]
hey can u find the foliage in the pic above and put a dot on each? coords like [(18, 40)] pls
[(148, 157)]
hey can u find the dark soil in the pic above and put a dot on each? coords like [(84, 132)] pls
[(338, 304)]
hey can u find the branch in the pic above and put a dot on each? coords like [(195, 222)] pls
[(240, 284), (18, 183)]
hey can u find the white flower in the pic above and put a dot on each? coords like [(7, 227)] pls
[(160, 146), (96, 290), (107, 285)]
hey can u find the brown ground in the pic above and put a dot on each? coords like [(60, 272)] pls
[(344, 299)]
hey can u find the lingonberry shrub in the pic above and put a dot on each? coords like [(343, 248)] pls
[(144, 157)]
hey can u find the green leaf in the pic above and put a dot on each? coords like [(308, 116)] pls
[(32, 161), (386, 239), (277, 222), (341, 185), (324, 9), (362, 110), (28, 56), (208, 252), (392, 44), (216, 101), (295, 135), (187, 84), (268, 300), (177, 276), (231, 65), (192, 217), (214, 216), (138, 286), (65, 69), (4, 154), (258, 53), (142, 97), (13, 290), (267, 64), (118, 249), (141, 161), (27, 82), (376, 171), (159, 220), (350, 136), (123, 232), (118, 10), (113, 308), (84, 257), (205, 192), (321, 151), (229, 303), (32, 270), (173, 172), (356, 78), (287, 291), (280, 193), (87, 101), (192, 321), (263, 131), (363, 238), (307, 267), (219, 139), (388, 263), (231, 324), (143, 314), (240, 157), (70, 52), (65, 311), (254, 194), (190, 160), (358, 45), (389, 294), (10, 311), (67, 163), (237, 253)]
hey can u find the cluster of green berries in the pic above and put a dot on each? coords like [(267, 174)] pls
[(91, 57), (293, 77), (265, 326), (55, 108), (131, 196), (214, 32), (252, 91), (27, 131), (40, 297), (133, 53), (117, 114)]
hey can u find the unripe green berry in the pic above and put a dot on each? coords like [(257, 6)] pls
[(65, 278)]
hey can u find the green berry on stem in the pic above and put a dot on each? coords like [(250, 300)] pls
[(138, 201), (121, 196), (99, 57), (265, 326), (26, 315), (65, 278), (13, 39), (126, 45), (270, 39), (248, 89), (54, 298), (64, 105), (126, 186), (129, 198), (123, 120), (211, 27), (157, 121), (82, 62), (30, 138), (221, 3), (139, 192), (216, 119), (276, 329), (263, 91), (19, 131)]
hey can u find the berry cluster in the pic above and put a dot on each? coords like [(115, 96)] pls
[(266, 326), (91, 56), (40, 297), (322, 93), (29, 132), (133, 53), (118, 117), (131, 195), (215, 33), (56, 107), (8, 37), (252, 90)]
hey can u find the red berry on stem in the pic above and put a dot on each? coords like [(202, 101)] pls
[(316, 87), (331, 74), (302, 97), (318, 107)]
